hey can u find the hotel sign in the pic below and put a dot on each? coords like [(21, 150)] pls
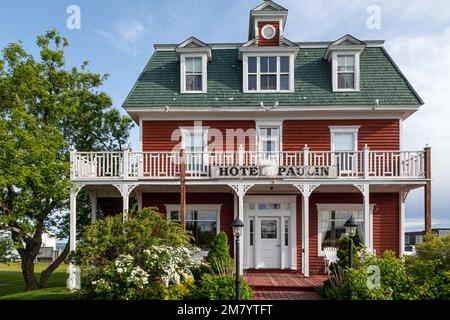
[(274, 172)]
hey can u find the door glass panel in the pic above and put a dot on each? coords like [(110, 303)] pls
[(286, 232), (269, 229), (252, 231)]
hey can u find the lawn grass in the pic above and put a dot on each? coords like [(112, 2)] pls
[(12, 285)]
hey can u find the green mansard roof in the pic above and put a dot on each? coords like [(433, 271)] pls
[(380, 78)]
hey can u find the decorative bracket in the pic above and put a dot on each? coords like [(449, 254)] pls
[(75, 189), (363, 188), (405, 195), (241, 188), (306, 189), (125, 189)]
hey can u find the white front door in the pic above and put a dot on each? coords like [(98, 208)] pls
[(269, 242)]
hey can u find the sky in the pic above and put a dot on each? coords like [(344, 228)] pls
[(117, 38)]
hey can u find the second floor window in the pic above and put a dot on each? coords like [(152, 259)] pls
[(269, 73), (194, 74)]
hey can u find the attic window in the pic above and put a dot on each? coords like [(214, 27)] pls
[(346, 71), (268, 32), (271, 73), (193, 73)]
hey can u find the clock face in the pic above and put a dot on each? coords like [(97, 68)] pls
[(268, 32)]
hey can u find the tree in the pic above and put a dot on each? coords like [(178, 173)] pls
[(45, 108)]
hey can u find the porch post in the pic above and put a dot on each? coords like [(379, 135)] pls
[(427, 193), (306, 190), (402, 201), (364, 189), (139, 200), (93, 196), (125, 190), (73, 217), (240, 189)]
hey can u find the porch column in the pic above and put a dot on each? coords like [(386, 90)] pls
[(93, 196), (139, 200), (427, 191), (402, 202), (364, 189), (73, 217), (125, 190), (240, 189), (306, 190)]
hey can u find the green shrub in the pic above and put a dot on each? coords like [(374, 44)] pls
[(145, 257), (220, 287), (219, 255)]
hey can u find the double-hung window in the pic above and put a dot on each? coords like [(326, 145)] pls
[(195, 143), (194, 73), (346, 71), (344, 147), (269, 139), (268, 74)]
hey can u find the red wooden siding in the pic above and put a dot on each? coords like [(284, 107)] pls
[(378, 134), (275, 41), (385, 223), (159, 200), (156, 135)]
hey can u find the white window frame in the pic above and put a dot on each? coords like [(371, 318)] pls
[(345, 129), (204, 58), (327, 207), (334, 68), (204, 132), (213, 207), (269, 124), (258, 72)]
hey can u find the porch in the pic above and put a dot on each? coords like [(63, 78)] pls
[(366, 164)]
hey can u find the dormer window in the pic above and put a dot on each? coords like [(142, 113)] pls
[(193, 74), (344, 55), (270, 73), (346, 71), (194, 56)]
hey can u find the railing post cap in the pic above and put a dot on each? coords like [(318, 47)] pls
[(72, 148), (366, 147), (305, 147)]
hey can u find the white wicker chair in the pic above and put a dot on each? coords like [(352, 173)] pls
[(330, 257)]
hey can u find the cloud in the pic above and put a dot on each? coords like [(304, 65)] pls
[(126, 35), (417, 224), (426, 63)]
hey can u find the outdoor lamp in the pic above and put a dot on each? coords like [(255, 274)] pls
[(350, 228), (237, 226)]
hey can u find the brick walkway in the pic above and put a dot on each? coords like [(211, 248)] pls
[(278, 285)]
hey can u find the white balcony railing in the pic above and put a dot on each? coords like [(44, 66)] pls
[(166, 165)]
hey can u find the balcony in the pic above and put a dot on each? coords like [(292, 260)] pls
[(366, 164)]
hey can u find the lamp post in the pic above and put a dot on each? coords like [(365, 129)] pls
[(350, 228), (237, 226)]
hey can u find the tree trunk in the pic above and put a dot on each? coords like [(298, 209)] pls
[(45, 275), (28, 271)]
